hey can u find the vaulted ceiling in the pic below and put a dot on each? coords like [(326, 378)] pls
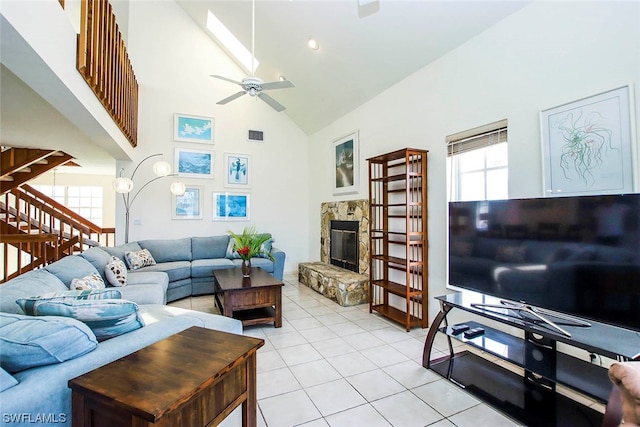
[(360, 56)]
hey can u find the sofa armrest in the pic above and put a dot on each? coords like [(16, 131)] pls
[(278, 263)]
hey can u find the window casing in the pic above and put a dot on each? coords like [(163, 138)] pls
[(477, 163), (86, 201)]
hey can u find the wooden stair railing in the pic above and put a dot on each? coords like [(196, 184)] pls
[(26, 213)]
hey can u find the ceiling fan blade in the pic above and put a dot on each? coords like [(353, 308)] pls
[(277, 85), (224, 78), (231, 98), (272, 102)]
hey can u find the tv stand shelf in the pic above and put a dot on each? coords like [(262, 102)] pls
[(529, 397)]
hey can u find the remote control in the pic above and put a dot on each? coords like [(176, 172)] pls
[(456, 329), (471, 333)]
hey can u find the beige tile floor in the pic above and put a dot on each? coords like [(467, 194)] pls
[(342, 366)]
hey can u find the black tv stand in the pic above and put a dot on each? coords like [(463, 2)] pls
[(540, 314), (529, 394)]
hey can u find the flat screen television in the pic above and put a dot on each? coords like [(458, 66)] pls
[(574, 255)]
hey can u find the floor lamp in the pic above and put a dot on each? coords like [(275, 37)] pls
[(124, 186)]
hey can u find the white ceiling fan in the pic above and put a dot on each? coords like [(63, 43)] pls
[(252, 85)]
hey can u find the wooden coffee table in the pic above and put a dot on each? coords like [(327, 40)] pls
[(254, 300), (194, 378)]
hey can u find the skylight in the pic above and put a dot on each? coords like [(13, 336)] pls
[(230, 43)]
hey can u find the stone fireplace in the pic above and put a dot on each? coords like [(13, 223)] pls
[(346, 211), (343, 273)]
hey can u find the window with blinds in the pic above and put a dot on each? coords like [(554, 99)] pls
[(477, 163)]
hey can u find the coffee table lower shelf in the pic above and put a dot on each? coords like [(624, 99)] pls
[(512, 394), (255, 316)]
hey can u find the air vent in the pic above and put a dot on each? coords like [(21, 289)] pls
[(256, 135)]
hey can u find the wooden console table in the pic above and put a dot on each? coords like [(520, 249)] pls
[(194, 378)]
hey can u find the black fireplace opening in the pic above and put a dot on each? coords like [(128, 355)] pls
[(344, 245)]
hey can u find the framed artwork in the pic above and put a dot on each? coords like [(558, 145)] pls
[(587, 146), (188, 128), (230, 206), (345, 158), (237, 170), (194, 163), (189, 205)]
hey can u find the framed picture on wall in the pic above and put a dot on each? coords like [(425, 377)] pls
[(587, 146), (230, 206), (346, 164), (188, 128), (237, 170), (194, 163), (189, 205)]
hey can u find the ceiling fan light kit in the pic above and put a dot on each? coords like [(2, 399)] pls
[(252, 85)]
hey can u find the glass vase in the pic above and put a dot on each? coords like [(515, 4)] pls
[(246, 267)]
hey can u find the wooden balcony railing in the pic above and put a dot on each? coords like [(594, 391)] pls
[(104, 63)]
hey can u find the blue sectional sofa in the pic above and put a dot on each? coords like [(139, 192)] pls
[(190, 261), (39, 395)]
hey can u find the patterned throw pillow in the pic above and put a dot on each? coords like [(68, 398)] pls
[(231, 250), (92, 281), (139, 259), (107, 318), (116, 272), (265, 249), (94, 294)]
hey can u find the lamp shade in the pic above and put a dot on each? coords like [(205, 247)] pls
[(161, 168), (177, 188), (122, 185)]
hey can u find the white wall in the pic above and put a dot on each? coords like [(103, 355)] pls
[(547, 54), (173, 59)]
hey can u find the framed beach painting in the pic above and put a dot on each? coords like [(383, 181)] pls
[(587, 146), (188, 128), (345, 163), (230, 206), (189, 205), (237, 170), (194, 163)]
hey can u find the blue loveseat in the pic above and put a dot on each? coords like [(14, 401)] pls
[(39, 395)]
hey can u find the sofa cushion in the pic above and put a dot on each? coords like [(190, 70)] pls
[(120, 250), (265, 248), (26, 304), (168, 250), (27, 342), (91, 281), (107, 318), (209, 247), (177, 270), (205, 267), (70, 267), (6, 380), (139, 259), (35, 282), (116, 272), (98, 257)]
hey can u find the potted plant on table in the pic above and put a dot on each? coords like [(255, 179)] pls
[(250, 244)]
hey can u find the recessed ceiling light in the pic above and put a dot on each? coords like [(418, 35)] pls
[(282, 78), (313, 44)]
